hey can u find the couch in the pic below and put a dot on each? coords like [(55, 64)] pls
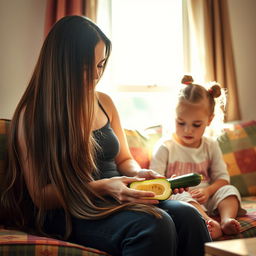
[(238, 144)]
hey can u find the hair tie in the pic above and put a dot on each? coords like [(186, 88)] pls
[(210, 91), (187, 80)]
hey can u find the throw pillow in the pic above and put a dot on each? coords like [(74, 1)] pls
[(141, 143), (238, 145)]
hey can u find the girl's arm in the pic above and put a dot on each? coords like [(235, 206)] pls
[(159, 159), (216, 185), (219, 175)]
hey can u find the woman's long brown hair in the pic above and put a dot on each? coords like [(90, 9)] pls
[(58, 107)]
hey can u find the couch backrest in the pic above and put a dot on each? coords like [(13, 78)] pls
[(141, 143), (4, 126)]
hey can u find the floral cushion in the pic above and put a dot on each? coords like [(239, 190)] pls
[(238, 145)]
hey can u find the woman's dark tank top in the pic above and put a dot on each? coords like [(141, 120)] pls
[(109, 148)]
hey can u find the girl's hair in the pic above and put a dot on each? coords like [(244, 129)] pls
[(58, 107), (195, 93), (212, 93)]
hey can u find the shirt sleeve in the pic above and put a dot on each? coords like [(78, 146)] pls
[(218, 166), (160, 159)]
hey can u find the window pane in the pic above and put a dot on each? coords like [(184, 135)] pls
[(142, 110), (147, 41), (147, 51)]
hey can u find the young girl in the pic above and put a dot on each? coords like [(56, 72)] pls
[(69, 162), (189, 151)]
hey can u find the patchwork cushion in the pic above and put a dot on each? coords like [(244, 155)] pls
[(141, 143), (238, 145)]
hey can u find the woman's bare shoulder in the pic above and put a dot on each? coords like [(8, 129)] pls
[(106, 101), (104, 98)]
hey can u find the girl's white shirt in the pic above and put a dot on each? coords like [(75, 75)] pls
[(170, 157)]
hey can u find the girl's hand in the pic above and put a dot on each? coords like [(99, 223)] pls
[(117, 187), (178, 190), (201, 195), (149, 174)]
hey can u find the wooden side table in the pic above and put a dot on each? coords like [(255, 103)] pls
[(234, 247)]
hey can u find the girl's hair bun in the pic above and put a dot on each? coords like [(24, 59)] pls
[(215, 91), (187, 79)]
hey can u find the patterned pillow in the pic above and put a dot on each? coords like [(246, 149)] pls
[(141, 143), (238, 145)]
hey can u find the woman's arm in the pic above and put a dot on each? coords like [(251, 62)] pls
[(116, 187), (50, 194), (125, 163), (124, 160)]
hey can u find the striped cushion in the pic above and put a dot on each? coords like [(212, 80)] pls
[(238, 145)]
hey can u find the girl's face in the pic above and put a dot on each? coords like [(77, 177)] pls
[(191, 121)]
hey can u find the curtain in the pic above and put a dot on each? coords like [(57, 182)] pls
[(208, 47), (56, 9)]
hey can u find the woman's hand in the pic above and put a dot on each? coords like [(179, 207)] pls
[(148, 174), (117, 187), (201, 195)]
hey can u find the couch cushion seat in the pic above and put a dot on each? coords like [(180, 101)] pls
[(16, 243)]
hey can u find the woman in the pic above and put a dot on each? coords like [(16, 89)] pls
[(69, 155)]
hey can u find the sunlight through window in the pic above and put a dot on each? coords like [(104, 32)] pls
[(146, 63)]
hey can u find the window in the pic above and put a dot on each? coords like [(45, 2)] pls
[(146, 62)]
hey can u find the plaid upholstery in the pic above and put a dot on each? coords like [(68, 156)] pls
[(238, 145), (14, 243)]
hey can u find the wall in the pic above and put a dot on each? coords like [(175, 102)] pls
[(243, 22), (21, 30)]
